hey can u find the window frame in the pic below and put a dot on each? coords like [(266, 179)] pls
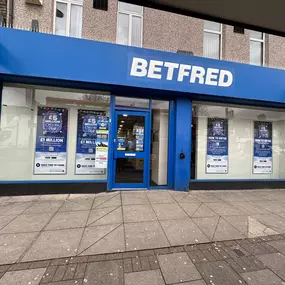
[(130, 14), (262, 41), (220, 33), (68, 11)]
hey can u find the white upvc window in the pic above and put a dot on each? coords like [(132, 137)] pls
[(129, 24), (257, 48), (68, 18), (212, 40)]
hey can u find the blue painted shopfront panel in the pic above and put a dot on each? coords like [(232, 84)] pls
[(38, 55)]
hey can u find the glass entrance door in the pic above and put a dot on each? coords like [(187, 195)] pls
[(131, 150)]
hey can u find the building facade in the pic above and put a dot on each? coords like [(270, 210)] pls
[(122, 97)]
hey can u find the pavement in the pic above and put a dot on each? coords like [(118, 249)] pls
[(144, 238)]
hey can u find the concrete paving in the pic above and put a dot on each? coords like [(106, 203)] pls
[(57, 226)]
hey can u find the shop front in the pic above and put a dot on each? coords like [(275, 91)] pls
[(84, 116)]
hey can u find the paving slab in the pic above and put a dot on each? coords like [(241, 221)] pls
[(81, 196), (26, 198), (275, 262), (189, 199), (272, 206), (104, 273), (111, 202), (27, 223), (92, 235), (4, 199), (145, 235), (182, 232), (262, 277), (5, 220), (8, 209), (113, 217), (225, 231), (99, 213), (177, 195), (278, 245), (150, 277), (190, 208), (23, 277), (12, 246), (55, 244), (110, 243), (272, 221), (54, 197), (101, 198), (44, 207), (177, 268), (160, 197), (249, 208), (68, 220), (220, 273), (138, 213), (134, 198), (198, 282), (169, 211), (207, 225), (206, 197), (224, 209), (76, 205), (204, 211)]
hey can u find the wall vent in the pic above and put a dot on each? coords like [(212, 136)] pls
[(185, 52), (100, 4), (239, 30), (35, 2)]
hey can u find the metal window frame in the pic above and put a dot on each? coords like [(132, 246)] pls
[(220, 33), (262, 41), (130, 14), (69, 3)]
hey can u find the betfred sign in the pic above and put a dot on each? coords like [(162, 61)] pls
[(171, 71)]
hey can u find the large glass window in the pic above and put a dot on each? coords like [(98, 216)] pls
[(129, 26), (212, 39), (68, 18), (235, 142), (256, 48), (53, 134)]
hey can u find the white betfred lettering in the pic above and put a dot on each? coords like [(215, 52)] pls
[(154, 68), (139, 67), (170, 69), (184, 70), (198, 72), (225, 74), (212, 76)]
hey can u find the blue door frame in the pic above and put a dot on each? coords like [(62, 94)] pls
[(116, 154)]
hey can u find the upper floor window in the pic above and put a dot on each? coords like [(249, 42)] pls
[(129, 25), (256, 48), (68, 18), (212, 39)]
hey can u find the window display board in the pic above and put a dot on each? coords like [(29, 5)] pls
[(90, 125), (139, 132), (262, 161), (217, 146), (51, 141)]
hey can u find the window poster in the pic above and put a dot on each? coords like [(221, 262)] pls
[(89, 124), (262, 160), (101, 158), (139, 138), (217, 146), (51, 141), (121, 143)]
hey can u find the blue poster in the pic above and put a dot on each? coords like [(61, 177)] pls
[(217, 146), (51, 141), (139, 138), (262, 149), (102, 125), (87, 129), (121, 143)]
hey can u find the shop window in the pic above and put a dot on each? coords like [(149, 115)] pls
[(256, 48), (68, 18), (53, 134), (159, 143), (212, 39), (129, 25), (235, 142), (132, 102)]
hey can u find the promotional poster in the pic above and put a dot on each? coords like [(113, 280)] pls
[(139, 138), (121, 143), (88, 124), (101, 157), (217, 146), (51, 141), (262, 160)]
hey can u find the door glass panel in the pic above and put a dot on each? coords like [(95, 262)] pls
[(129, 170), (159, 143), (130, 133)]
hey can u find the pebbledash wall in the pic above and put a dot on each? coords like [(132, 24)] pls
[(227, 118)]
